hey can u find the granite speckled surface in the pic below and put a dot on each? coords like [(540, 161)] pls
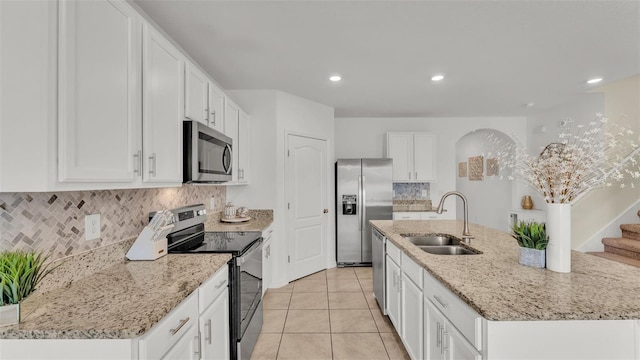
[(413, 206), (260, 220), (495, 285), (121, 301)]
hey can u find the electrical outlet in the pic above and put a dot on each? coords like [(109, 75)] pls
[(424, 193), (92, 227), (212, 203)]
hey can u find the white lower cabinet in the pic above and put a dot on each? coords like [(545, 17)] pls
[(214, 329), (267, 234), (187, 348), (442, 340), (393, 292), (411, 321)]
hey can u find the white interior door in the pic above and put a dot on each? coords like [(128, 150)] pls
[(307, 198)]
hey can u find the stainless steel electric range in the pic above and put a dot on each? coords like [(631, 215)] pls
[(245, 272)]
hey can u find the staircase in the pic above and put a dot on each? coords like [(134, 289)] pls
[(625, 249)]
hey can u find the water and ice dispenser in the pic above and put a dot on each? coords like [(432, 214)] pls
[(349, 204)]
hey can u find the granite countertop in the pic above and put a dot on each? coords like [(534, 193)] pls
[(260, 220), (413, 206), (120, 301), (496, 286)]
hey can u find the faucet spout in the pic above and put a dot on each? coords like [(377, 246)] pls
[(466, 234)]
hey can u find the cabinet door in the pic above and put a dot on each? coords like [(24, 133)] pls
[(196, 92), (187, 348), (266, 265), (163, 94), (434, 323), (393, 293), (400, 149), (424, 147), (216, 108), (412, 318), (457, 347), (99, 91), (231, 113), (214, 329), (242, 148)]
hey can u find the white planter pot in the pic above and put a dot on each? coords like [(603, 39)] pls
[(559, 230), (532, 257), (9, 314)]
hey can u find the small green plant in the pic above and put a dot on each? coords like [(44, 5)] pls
[(531, 235), (20, 273)]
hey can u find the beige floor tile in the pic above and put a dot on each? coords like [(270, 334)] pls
[(266, 347), (366, 284), (341, 273), (354, 320), (307, 321), (339, 285), (358, 346), (371, 300), (394, 346), (309, 301), (382, 322), (321, 275), (305, 346), (276, 301), (347, 300), (364, 272), (286, 288), (273, 321), (310, 286)]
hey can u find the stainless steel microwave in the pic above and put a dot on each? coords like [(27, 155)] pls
[(206, 154)]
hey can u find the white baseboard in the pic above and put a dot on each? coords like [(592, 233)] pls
[(629, 216)]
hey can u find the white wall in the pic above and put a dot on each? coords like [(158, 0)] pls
[(364, 137), (493, 191), (274, 114)]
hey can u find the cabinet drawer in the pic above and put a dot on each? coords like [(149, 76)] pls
[(412, 269), (393, 252), (166, 333), (406, 216), (212, 287), (463, 317), (266, 233)]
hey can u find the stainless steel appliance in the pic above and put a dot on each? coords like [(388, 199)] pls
[(206, 155), (364, 191), (245, 272), (378, 243)]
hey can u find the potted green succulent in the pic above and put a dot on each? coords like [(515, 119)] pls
[(20, 273), (533, 239)]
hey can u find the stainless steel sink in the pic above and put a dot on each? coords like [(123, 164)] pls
[(432, 240), (447, 250)]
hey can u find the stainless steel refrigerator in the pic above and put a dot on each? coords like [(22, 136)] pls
[(364, 191)]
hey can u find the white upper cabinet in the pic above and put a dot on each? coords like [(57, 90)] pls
[(163, 89), (242, 148), (413, 156), (231, 115), (196, 95), (99, 91), (216, 108)]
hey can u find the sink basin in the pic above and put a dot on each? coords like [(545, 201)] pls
[(447, 250), (432, 240)]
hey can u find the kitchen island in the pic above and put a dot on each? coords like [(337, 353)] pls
[(597, 305)]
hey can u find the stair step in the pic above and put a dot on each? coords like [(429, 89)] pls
[(622, 246), (617, 258), (631, 231)]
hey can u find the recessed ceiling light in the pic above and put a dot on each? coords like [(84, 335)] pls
[(594, 80), (531, 104), (335, 77), (437, 77)]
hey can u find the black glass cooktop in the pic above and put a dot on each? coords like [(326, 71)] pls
[(235, 243)]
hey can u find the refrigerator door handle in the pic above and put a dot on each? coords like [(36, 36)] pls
[(360, 202), (363, 204)]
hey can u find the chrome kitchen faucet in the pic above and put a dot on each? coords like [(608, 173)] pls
[(466, 235)]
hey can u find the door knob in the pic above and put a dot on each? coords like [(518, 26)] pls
[(325, 211)]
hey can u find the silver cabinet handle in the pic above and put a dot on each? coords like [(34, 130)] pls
[(207, 336), (409, 175), (445, 341), (198, 346), (137, 162), (416, 173), (438, 335), (269, 250), (440, 301), (152, 164), (183, 322), (214, 117), (206, 114)]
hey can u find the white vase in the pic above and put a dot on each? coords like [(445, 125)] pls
[(9, 314), (559, 230)]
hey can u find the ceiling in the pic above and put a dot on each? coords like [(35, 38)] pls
[(497, 56)]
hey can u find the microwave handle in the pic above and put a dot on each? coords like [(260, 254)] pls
[(227, 154)]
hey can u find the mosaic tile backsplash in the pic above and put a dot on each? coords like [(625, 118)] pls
[(54, 221), (410, 191)]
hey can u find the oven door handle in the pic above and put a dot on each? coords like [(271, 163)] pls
[(254, 248)]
